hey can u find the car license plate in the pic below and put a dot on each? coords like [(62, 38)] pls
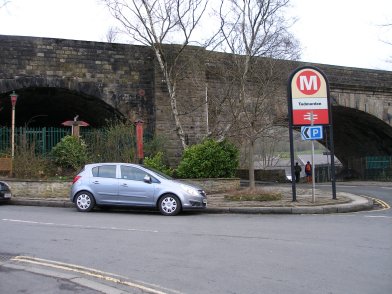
[(7, 195)]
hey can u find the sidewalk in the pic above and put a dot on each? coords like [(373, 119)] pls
[(324, 203), (344, 202)]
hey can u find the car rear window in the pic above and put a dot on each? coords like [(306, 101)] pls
[(104, 171)]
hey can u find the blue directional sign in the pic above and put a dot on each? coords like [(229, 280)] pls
[(312, 133)]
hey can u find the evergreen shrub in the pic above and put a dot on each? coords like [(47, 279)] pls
[(209, 159), (70, 152), (157, 162)]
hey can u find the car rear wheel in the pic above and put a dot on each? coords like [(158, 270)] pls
[(169, 205), (84, 201)]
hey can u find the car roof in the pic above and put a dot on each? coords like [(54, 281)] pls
[(111, 163)]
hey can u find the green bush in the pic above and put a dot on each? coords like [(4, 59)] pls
[(113, 143), (209, 159), (116, 142), (157, 162), (153, 145), (30, 165), (70, 152)]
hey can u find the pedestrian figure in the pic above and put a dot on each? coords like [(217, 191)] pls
[(308, 172), (297, 171)]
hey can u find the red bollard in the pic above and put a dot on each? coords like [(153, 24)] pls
[(139, 140)]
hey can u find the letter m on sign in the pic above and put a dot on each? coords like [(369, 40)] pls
[(308, 83)]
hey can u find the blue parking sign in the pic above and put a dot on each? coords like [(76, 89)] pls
[(312, 133)]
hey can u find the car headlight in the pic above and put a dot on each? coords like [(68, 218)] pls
[(190, 190)]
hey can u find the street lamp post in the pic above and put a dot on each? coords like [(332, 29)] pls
[(14, 97)]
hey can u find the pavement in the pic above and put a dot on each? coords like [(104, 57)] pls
[(306, 203)]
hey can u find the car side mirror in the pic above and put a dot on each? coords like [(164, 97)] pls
[(147, 179)]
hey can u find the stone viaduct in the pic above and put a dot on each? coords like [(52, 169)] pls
[(57, 79)]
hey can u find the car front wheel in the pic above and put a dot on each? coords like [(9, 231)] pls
[(84, 201), (169, 205)]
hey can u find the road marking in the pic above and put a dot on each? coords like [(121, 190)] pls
[(389, 188), (109, 277), (77, 226), (378, 216), (383, 204)]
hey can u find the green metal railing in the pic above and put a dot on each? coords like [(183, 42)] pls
[(42, 139), (377, 168)]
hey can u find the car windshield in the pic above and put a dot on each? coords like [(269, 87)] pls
[(165, 176)]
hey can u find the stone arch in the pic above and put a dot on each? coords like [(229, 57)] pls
[(72, 84), (54, 100), (358, 134)]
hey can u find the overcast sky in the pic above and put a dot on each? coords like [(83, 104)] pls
[(338, 32)]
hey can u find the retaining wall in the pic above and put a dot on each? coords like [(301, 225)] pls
[(60, 189)]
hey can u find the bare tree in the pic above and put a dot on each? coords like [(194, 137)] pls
[(111, 35), (256, 34), (158, 22), (388, 26), (389, 42), (3, 3)]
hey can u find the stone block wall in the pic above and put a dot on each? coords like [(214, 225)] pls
[(276, 175), (40, 189), (121, 76), (190, 93), (61, 189), (128, 80), (216, 185)]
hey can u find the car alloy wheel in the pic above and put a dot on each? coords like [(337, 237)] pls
[(84, 201), (169, 205)]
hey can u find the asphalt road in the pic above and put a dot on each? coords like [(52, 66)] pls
[(377, 190), (194, 253)]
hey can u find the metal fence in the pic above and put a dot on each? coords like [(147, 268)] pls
[(41, 139), (376, 168)]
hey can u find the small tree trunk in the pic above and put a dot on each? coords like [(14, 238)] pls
[(171, 87), (252, 184), (179, 129)]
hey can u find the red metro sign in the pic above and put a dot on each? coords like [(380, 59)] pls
[(309, 97)]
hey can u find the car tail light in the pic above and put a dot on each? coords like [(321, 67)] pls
[(76, 179)]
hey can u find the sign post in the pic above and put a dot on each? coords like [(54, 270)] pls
[(309, 105), (312, 133)]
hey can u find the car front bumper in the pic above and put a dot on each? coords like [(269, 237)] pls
[(195, 204)]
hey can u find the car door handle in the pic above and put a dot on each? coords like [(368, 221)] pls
[(124, 185), (96, 182)]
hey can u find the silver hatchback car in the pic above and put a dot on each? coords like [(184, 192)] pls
[(125, 184)]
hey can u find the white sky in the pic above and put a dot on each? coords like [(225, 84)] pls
[(338, 32)]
